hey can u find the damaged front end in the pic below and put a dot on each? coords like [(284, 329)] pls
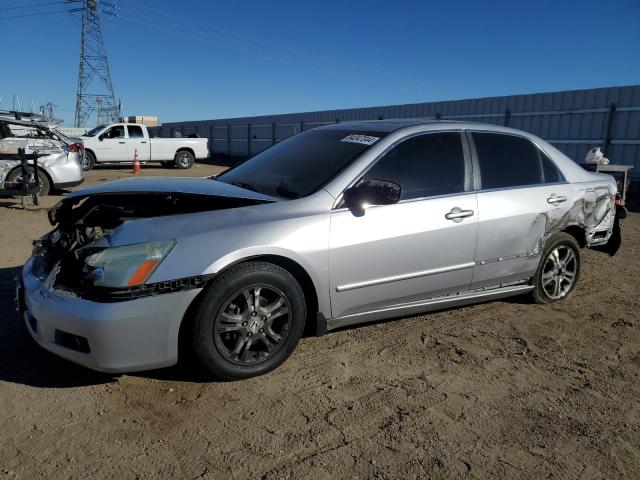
[(78, 257)]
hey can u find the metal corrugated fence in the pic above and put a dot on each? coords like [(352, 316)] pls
[(574, 121)]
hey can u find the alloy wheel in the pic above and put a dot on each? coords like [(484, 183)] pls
[(559, 272), (252, 324)]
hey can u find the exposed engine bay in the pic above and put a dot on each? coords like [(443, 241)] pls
[(84, 224)]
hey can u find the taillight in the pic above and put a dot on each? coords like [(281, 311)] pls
[(72, 147), (618, 199)]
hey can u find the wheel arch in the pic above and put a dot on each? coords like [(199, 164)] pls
[(185, 149), (578, 233), (43, 170), (90, 150), (301, 275)]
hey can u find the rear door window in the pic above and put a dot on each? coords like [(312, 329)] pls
[(507, 161), (424, 166), (135, 131)]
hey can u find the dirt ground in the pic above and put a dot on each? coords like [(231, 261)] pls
[(502, 389)]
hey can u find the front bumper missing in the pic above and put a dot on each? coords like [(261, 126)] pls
[(134, 335)]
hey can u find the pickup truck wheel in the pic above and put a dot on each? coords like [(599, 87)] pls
[(88, 161), (249, 321), (184, 159), (15, 176), (559, 269)]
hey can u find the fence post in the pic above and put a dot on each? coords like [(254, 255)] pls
[(273, 133), (248, 139), (211, 139), (228, 140), (301, 127), (606, 133), (507, 117)]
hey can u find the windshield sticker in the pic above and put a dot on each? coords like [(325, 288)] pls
[(364, 139)]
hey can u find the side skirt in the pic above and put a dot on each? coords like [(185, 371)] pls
[(437, 303)]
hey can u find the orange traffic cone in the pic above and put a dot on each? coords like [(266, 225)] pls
[(136, 162)]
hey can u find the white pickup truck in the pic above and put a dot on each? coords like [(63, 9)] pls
[(118, 143)]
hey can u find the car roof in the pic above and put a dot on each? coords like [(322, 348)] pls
[(392, 125)]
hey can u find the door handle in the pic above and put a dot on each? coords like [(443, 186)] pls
[(143, 142), (122, 142), (555, 199), (457, 214)]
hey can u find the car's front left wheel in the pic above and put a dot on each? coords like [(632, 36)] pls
[(250, 320)]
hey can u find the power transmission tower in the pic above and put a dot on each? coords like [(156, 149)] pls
[(95, 91)]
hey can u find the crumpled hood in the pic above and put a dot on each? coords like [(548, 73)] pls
[(109, 204), (189, 185)]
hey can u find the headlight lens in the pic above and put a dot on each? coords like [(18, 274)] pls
[(127, 266)]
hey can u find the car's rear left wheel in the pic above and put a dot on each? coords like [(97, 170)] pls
[(15, 176), (249, 321), (559, 269)]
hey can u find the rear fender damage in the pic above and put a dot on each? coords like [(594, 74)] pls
[(595, 213)]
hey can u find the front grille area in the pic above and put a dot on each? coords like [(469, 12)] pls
[(72, 342)]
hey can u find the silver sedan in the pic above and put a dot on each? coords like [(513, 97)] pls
[(336, 226)]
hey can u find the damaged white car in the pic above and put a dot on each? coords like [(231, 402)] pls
[(59, 158)]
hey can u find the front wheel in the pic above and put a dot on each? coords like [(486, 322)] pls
[(88, 161), (184, 159), (250, 320), (559, 269)]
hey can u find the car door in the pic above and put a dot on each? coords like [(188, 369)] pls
[(112, 145), (136, 142), (419, 248), (520, 194)]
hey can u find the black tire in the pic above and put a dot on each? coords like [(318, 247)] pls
[(168, 164), (15, 176), (88, 161), (559, 271), (184, 159), (223, 320)]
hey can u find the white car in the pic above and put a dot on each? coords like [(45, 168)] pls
[(119, 142), (59, 157)]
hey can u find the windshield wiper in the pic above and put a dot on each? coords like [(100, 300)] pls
[(246, 186)]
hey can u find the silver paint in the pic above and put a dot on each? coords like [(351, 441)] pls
[(394, 259)]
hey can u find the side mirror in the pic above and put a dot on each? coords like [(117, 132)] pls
[(372, 192), (101, 137)]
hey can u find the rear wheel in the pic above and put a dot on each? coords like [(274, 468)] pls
[(184, 159), (559, 269), (249, 322), (15, 176)]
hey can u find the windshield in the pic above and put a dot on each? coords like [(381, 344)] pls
[(302, 164), (94, 131)]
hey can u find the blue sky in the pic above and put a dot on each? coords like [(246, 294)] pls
[(201, 59)]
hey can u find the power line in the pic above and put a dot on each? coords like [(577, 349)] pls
[(55, 12), (277, 53), (32, 5), (251, 43)]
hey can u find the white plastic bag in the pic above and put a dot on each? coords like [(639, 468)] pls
[(596, 156)]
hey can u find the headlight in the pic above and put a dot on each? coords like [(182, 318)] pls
[(126, 266)]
